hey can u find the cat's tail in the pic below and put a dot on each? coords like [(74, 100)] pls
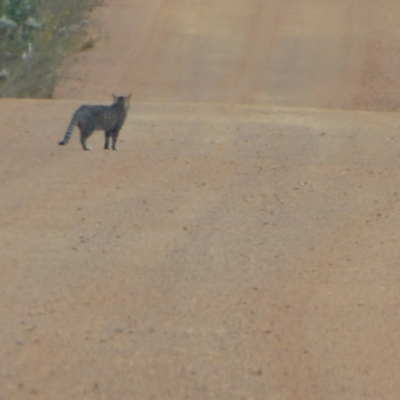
[(71, 126)]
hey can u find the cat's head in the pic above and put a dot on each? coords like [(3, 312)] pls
[(122, 100)]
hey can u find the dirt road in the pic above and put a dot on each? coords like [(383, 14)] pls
[(243, 243), (340, 54)]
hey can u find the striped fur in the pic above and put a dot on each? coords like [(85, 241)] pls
[(90, 118)]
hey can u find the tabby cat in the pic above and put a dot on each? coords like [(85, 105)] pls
[(90, 118)]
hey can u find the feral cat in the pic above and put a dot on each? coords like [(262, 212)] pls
[(90, 118)]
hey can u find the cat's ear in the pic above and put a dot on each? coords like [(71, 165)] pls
[(129, 96), (114, 97)]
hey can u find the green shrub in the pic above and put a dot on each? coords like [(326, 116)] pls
[(35, 36)]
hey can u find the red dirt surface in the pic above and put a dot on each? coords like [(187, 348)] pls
[(243, 243)]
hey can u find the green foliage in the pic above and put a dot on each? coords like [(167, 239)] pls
[(19, 10), (35, 35)]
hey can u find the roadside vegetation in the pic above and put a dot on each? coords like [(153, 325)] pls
[(35, 37)]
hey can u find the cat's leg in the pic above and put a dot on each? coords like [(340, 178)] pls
[(84, 135), (107, 135), (114, 135)]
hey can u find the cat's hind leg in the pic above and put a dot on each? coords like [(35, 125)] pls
[(84, 135)]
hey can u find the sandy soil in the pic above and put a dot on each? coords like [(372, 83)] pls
[(243, 243)]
